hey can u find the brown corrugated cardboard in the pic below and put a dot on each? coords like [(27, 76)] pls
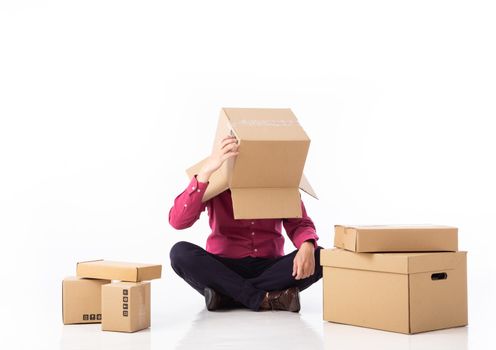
[(265, 176), (126, 306), (399, 292), (116, 270), (396, 238), (81, 300)]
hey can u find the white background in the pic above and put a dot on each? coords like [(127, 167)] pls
[(103, 104)]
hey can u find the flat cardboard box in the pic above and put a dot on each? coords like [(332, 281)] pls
[(81, 300), (396, 238), (126, 306), (266, 174), (117, 270), (398, 292)]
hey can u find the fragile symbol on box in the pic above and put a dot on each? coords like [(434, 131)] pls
[(92, 317), (124, 304)]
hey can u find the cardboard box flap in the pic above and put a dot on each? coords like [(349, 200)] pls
[(403, 263), (306, 187), (266, 203), (274, 124), (217, 183)]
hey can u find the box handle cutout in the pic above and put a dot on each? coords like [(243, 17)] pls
[(439, 276)]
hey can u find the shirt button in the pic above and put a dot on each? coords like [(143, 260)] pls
[(193, 188), (253, 233), (256, 250), (185, 205), (198, 190), (252, 222)]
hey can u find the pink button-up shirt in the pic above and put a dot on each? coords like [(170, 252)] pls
[(233, 238)]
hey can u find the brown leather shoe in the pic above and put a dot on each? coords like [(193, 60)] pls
[(286, 300), (216, 301)]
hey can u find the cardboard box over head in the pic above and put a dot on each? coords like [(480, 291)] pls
[(266, 175), (399, 292)]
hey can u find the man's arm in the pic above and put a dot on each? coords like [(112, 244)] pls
[(188, 205), (302, 233), (301, 229)]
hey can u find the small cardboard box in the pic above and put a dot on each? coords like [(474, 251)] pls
[(81, 300), (398, 292), (126, 306), (396, 238), (266, 174), (116, 270)]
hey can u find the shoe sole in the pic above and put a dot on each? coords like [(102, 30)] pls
[(209, 295), (295, 304)]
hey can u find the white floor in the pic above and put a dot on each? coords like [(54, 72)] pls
[(248, 330), (180, 321), (242, 329)]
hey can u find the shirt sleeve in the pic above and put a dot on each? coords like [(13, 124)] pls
[(188, 205), (301, 229)]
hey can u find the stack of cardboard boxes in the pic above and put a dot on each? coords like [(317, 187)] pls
[(395, 278), (123, 305)]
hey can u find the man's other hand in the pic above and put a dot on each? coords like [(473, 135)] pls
[(304, 261)]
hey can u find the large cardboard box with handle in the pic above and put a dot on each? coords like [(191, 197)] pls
[(267, 174), (396, 238), (399, 292)]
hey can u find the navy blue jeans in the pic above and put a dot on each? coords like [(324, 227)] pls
[(245, 280)]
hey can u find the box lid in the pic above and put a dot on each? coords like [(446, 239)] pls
[(403, 263), (118, 270), (218, 182), (389, 238), (272, 154)]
